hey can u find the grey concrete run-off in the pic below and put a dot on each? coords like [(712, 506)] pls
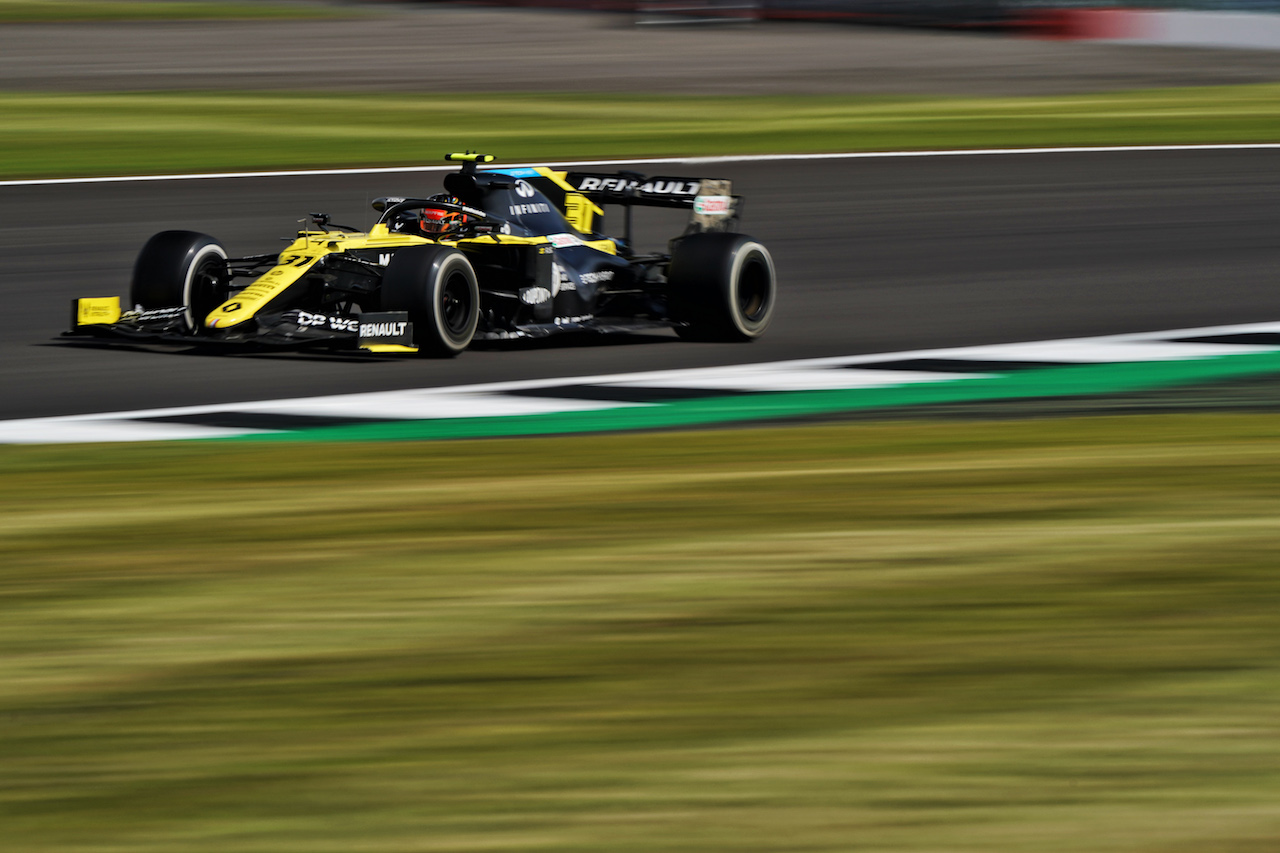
[(434, 48)]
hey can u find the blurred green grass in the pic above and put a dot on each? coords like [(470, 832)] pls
[(53, 11), (50, 135), (992, 636)]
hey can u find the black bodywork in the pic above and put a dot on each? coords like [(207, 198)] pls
[(532, 236)]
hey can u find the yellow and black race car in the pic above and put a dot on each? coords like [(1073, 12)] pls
[(501, 254)]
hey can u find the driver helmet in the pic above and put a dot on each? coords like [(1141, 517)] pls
[(435, 221)]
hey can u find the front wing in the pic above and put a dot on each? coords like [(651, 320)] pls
[(383, 331), (379, 332)]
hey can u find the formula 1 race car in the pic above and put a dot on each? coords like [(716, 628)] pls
[(502, 254)]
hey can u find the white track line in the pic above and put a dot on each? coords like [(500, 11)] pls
[(491, 400), (744, 158)]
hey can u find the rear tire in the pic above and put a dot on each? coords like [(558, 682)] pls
[(438, 287), (181, 268), (723, 286)]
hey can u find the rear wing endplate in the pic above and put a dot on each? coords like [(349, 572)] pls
[(711, 202)]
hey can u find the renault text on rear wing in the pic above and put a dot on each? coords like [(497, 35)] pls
[(633, 188)]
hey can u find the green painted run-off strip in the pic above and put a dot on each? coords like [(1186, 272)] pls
[(1050, 382)]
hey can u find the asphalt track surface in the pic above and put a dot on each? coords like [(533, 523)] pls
[(874, 255)]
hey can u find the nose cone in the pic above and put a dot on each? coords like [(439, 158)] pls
[(228, 314)]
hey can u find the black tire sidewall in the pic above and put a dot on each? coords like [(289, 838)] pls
[(451, 269), (706, 277), (164, 273), (416, 281), (746, 253)]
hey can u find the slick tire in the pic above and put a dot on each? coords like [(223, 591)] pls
[(723, 286), (181, 268), (438, 287)]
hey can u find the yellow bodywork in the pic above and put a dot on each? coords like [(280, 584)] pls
[(302, 255), (98, 311), (579, 211), (295, 262)]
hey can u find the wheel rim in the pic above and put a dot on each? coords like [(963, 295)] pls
[(206, 284), (754, 290), (205, 287), (455, 304)]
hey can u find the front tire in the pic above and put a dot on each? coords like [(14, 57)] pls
[(722, 286), (437, 286), (181, 268)]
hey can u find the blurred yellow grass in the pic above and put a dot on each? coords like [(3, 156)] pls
[(55, 135), (983, 636)]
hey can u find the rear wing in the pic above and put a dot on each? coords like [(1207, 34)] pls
[(711, 202)]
